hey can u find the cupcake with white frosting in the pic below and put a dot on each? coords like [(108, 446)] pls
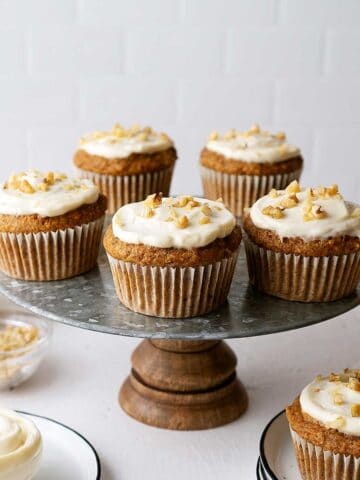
[(241, 167), (173, 257), (50, 225), (127, 164), (20, 447), (304, 244), (325, 427)]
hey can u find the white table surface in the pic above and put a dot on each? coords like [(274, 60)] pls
[(79, 381)]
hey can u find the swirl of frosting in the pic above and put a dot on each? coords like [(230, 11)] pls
[(45, 194), (20, 446), (334, 401), (183, 222), (121, 142), (254, 145), (309, 214)]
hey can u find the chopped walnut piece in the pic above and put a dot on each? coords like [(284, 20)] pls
[(147, 212), (254, 129), (143, 136), (310, 194), (43, 187), (147, 130), (273, 212), (230, 134), (290, 201), (192, 204), (154, 200), (213, 135), (206, 210), (182, 222), (355, 410), (334, 377), (220, 200), (318, 212), (204, 220), (273, 193), (59, 176), (339, 422), (164, 137), (338, 399), (13, 338), (313, 212), (25, 187), (293, 187), (354, 384), (49, 178), (280, 136), (183, 201), (332, 190)]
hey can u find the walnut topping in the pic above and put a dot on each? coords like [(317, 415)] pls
[(25, 187), (220, 200), (230, 134), (274, 212), (280, 136), (13, 338), (213, 136), (338, 399), (192, 204), (49, 178), (165, 137), (154, 200), (204, 220), (293, 187), (147, 212), (354, 384), (206, 210), (355, 410), (339, 422), (254, 129), (183, 201), (290, 201), (310, 194), (43, 187), (143, 137), (273, 193), (182, 222), (313, 212)]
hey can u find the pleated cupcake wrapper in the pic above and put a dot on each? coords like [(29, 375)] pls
[(242, 191), (173, 292), (301, 278), (51, 255), (120, 190), (318, 464)]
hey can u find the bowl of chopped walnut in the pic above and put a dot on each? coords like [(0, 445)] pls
[(24, 342)]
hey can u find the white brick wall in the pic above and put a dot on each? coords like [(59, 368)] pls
[(186, 67)]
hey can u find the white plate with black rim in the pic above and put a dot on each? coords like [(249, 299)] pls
[(66, 453), (277, 457)]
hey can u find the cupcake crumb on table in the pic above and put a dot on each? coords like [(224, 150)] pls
[(173, 257), (50, 225), (127, 164), (303, 244), (243, 166), (325, 427)]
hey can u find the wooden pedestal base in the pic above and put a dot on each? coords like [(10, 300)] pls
[(183, 385)]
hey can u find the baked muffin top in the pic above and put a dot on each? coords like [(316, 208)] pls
[(254, 145), (45, 194), (184, 222), (121, 142), (310, 214), (334, 401)]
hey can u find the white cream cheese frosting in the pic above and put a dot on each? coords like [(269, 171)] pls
[(334, 401), (121, 142), (20, 446), (310, 214), (254, 145), (183, 222), (45, 194)]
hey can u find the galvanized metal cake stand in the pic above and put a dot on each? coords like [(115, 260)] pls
[(183, 375)]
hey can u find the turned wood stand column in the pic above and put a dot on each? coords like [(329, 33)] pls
[(183, 385)]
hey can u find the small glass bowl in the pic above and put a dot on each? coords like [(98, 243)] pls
[(19, 364)]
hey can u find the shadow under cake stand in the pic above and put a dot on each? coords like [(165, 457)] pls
[(183, 375)]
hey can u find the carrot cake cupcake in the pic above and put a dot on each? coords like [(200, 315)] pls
[(241, 167), (21, 446), (303, 244), (325, 427), (50, 225), (173, 257), (126, 164)]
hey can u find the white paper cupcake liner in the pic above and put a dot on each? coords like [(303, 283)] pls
[(301, 278), (51, 255), (318, 464), (122, 189), (242, 191), (173, 292)]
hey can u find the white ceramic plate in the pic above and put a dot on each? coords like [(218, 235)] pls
[(67, 454), (276, 451)]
